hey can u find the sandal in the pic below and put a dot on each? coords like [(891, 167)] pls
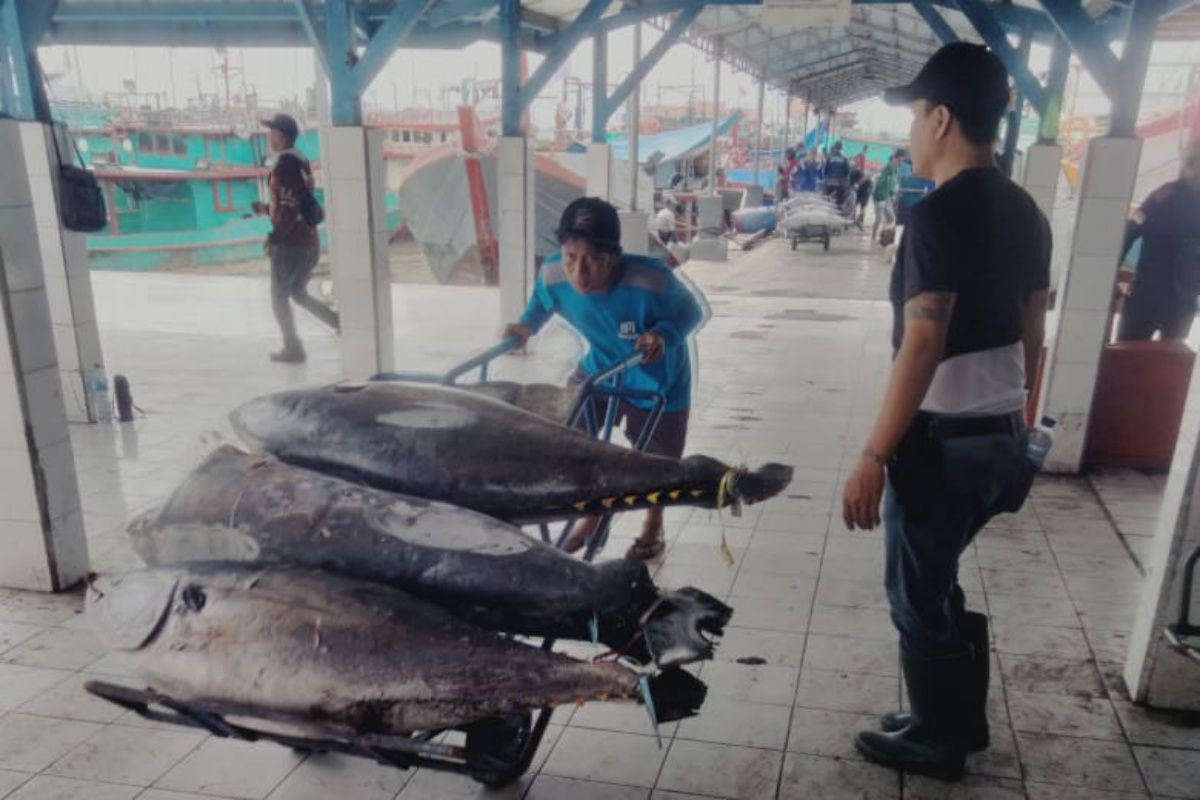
[(642, 550)]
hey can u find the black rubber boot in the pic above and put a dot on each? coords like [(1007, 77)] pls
[(932, 743), (975, 734)]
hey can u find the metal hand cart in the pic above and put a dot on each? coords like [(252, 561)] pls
[(1183, 635), (495, 751)]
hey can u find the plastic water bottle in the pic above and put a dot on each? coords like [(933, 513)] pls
[(1041, 439), (99, 404)]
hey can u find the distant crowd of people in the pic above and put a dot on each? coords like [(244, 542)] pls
[(848, 182)]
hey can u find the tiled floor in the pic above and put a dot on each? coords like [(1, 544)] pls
[(791, 366)]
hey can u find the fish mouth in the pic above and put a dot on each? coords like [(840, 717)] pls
[(683, 626), (763, 483)]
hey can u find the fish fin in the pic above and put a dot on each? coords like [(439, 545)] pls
[(674, 694), (652, 497), (581, 505), (608, 502), (630, 499)]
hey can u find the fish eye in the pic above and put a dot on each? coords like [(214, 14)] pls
[(193, 597)]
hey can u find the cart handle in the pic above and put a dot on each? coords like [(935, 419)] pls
[(479, 361), (482, 360)]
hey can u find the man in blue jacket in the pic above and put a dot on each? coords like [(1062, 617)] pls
[(621, 304)]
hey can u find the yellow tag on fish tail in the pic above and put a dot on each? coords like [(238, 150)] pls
[(630, 499), (581, 505), (608, 502), (653, 497), (674, 494)]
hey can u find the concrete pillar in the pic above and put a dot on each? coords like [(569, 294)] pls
[(355, 176), (635, 232), (68, 278), (516, 220), (1156, 675), (41, 522), (710, 244), (599, 171), (1110, 168), (1040, 176)]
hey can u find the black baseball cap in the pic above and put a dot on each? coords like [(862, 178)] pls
[(966, 78), (594, 221), (285, 124)]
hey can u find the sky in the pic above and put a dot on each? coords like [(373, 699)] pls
[(278, 74)]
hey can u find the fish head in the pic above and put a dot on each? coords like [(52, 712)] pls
[(128, 610)]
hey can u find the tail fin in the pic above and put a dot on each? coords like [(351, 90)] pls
[(677, 694), (682, 626), (763, 483)]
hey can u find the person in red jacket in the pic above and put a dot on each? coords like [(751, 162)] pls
[(293, 245)]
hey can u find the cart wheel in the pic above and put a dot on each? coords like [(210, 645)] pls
[(828, 237), (495, 746)]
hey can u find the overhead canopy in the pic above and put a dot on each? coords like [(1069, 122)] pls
[(674, 144)]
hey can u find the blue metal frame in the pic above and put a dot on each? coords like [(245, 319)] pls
[(1012, 130), (1143, 22), (562, 45), (600, 109), (652, 57), (1088, 41), (989, 28), (23, 22), (935, 20), (1056, 84)]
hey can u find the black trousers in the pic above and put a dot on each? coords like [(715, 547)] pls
[(1143, 315), (291, 268)]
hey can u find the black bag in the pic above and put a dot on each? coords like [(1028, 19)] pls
[(310, 208), (80, 199)]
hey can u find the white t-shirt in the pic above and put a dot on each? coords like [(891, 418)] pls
[(665, 220)]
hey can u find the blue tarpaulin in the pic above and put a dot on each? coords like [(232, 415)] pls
[(671, 144)]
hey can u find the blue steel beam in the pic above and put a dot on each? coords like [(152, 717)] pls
[(935, 21), (26, 93), (447, 12), (1056, 84), (1087, 40), (651, 58), (993, 34), (1143, 22), (308, 19), (386, 39), (510, 67), (564, 44), (600, 108), (345, 97)]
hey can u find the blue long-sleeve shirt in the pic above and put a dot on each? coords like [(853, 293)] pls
[(647, 296), (807, 176)]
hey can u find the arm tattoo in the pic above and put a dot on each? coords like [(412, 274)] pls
[(932, 306)]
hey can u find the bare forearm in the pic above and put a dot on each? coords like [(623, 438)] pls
[(1033, 334), (911, 374)]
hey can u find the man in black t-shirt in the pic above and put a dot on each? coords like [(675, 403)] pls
[(969, 295), (1163, 297)]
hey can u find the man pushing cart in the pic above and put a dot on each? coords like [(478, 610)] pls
[(621, 304)]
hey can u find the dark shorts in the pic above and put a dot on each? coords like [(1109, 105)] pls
[(669, 437), (1144, 315)]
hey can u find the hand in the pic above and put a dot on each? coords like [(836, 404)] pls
[(518, 331), (651, 344), (862, 495)]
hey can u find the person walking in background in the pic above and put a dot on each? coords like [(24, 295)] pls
[(293, 244), (1167, 280), (862, 193), (807, 175), (884, 194), (947, 451), (860, 161)]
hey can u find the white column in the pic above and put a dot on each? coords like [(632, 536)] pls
[(516, 220), (1156, 675), (1074, 352), (355, 177), (710, 244), (635, 232), (68, 278), (632, 134), (1040, 175), (599, 170), (41, 524)]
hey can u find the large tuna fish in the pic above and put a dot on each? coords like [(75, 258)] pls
[(544, 399), (305, 648), (448, 444), (239, 507)]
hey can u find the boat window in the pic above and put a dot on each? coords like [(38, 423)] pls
[(178, 146), (408, 136), (443, 136), (427, 137), (162, 143), (145, 142)]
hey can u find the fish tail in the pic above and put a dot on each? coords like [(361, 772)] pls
[(763, 483), (676, 694)]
